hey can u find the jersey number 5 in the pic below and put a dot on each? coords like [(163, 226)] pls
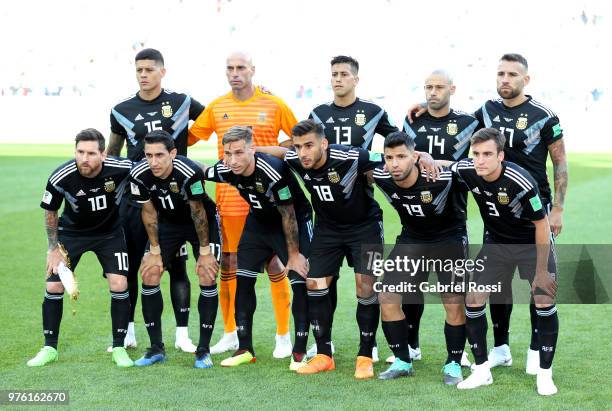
[(254, 201)]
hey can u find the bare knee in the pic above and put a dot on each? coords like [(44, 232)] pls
[(364, 285), (117, 282), (151, 276), (55, 287), (229, 261), (275, 265), (455, 313), (316, 283)]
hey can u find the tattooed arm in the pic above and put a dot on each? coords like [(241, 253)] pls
[(153, 257), (198, 215), (54, 255), (296, 262), (207, 265), (115, 144), (149, 219), (559, 160)]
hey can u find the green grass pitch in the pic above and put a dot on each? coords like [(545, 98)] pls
[(86, 371)]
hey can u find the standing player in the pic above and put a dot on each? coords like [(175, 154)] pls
[(445, 134), (245, 105), (532, 134), (350, 121), (91, 186), (517, 234), (279, 223), (347, 218), (153, 108), (174, 210), (433, 227)]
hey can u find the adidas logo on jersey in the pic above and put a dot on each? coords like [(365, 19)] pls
[(80, 193), (394, 195), (422, 130), (476, 191), (225, 116), (306, 177), (138, 117), (330, 120), (496, 119)]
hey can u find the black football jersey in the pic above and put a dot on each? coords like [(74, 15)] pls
[(171, 195), (271, 184), (134, 117), (428, 209), (339, 191), (445, 138), (507, 205), (529, 128), (91, 204), (354, 125)]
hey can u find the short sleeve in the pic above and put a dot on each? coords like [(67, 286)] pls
[(194, 188), (52, 198), (115, 126), (138, 191), (195, 109), (533, 208), (203, 127), (551, 131), (368, 160)]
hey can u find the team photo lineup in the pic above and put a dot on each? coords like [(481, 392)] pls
[(294, 199)]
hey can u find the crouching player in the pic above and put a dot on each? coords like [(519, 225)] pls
[(176, 209), (433, 231), (91, 186)]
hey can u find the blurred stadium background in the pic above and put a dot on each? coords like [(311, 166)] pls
[(67, 62)]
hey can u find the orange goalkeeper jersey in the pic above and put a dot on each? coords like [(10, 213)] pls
[(265, 113)]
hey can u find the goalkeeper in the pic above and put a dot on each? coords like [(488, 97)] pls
[(90, 186)]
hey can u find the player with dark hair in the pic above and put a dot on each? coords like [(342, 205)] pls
[(91, 187), (175, 210), (532, 132), (153, 108), (517, 235), (433, 227), (350, 121), (445, 134), (279, 223), (348, 218)]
